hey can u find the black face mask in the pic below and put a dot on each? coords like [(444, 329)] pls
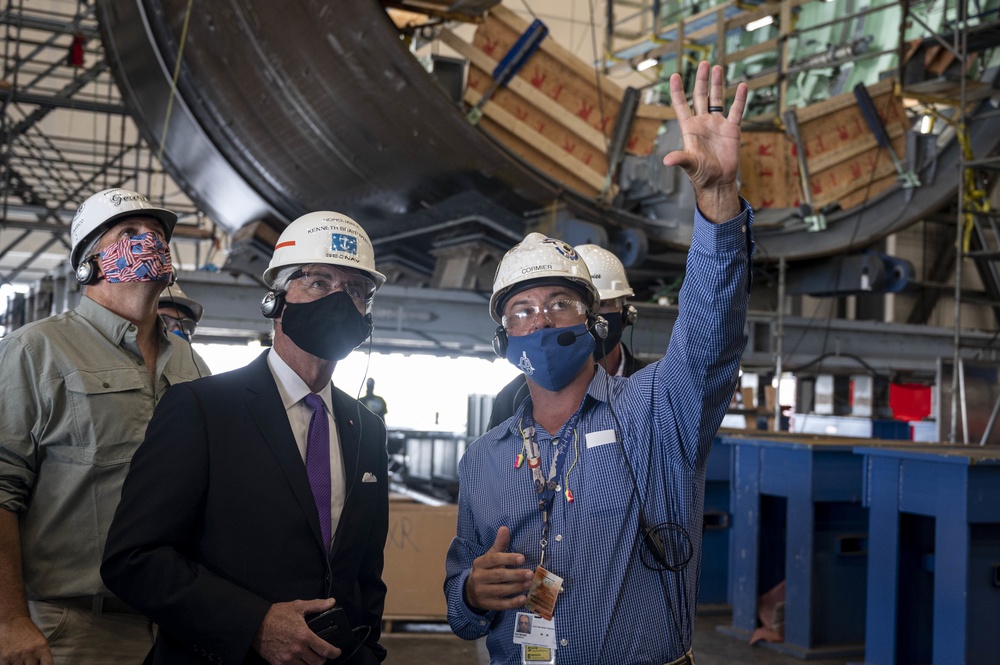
[(329, 328), (615, 328)]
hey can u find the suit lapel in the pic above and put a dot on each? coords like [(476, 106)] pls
[(268, 412), (349, 432)]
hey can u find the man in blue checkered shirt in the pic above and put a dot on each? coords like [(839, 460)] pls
[(585, 508)]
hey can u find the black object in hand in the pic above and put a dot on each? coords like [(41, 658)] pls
[(333, 627)]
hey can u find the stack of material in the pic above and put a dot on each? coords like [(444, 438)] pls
[(845, 164), (557, 113)]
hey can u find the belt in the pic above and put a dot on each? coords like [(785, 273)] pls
[(686, 659), (95, 604)]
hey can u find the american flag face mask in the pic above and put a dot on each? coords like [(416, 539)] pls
[(141, 258)]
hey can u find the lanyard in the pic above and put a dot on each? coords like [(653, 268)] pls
[(545, 488)]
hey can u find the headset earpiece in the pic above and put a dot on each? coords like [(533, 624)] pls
[(598, 328), (629, 315), (371, 324), (86, 272), (173, 277), (272, 304), (500, 342)]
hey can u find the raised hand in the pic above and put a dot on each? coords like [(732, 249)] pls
[(711, 154)]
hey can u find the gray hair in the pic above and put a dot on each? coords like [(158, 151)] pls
[(284, 276)]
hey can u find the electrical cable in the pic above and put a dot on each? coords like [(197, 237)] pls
[(650, 536)]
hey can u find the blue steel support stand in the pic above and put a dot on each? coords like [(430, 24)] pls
[(883, 580), (959, 489)]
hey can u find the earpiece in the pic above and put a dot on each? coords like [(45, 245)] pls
[(86, 272), (629, 315), (274, 302), (598, 327), (500, 342)]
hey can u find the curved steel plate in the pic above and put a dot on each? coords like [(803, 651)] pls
[(286, 107)]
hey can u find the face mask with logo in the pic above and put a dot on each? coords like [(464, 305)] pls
[(615, 328), (547, 362), (329, 327), (141, 258)]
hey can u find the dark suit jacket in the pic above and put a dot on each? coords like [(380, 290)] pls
[(515, 392), (217, 521)]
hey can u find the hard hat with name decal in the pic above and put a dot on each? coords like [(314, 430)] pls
[(539, 260), (606, 271), (107, 208), (324, 237), (172, 296)]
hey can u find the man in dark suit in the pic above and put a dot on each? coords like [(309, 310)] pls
[(259, 497), (608, 275)]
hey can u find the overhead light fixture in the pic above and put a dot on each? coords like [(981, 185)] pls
[(759, 23), (646, 64)]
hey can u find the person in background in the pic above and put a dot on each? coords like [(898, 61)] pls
[(79, 389), (374, 403), (180, 314), (259, 497), (608, 275), (586, 507)]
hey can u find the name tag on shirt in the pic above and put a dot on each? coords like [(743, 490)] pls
[(595, 439)]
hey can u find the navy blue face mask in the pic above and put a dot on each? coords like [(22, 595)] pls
[(547, 362)]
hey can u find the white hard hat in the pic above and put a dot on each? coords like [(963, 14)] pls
[(106, 208), (324, 237), (172, 296), (606, 271), (538, 260)]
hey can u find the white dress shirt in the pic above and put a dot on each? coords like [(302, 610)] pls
[(293, 391)]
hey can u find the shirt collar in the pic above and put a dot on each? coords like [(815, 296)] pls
[(598, 391), (291, 387), (115, 328)]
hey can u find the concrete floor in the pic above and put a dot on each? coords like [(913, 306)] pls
[(710, 648)]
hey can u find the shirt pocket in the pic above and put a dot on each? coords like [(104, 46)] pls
[(111, 410), (606, 483)]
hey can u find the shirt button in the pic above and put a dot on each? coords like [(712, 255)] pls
[(131, 328), (558, 537), (564, 641), (106, 384), (555, 442), (482, 623), (138, 362)]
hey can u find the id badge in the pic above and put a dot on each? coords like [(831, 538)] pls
[(543, 593), (535, 655)]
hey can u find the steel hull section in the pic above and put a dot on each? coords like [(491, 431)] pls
[(287, 107)]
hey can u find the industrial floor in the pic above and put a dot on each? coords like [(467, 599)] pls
[(710, 648)]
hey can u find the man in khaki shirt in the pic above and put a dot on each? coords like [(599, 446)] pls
[(79, 389)]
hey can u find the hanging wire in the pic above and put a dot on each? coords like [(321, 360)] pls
[(173, 82)]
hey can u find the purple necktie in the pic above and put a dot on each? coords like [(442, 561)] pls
[(318, 462)]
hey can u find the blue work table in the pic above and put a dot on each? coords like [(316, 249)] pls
[(934, 555), (797, 516)]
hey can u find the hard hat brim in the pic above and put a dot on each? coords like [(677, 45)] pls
[(165, 217)]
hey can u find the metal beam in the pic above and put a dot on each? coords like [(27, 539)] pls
[(457, 323), (59, 101)]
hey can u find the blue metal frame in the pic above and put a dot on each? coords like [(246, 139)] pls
[(959, 489)]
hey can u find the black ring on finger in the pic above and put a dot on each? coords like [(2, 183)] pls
[(716, 109)]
